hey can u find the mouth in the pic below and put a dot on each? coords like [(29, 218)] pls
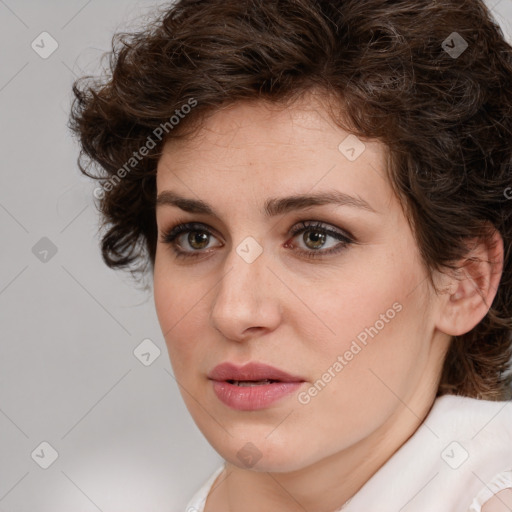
[(253, 395), (252, 373), (253, 386), (245, 383)]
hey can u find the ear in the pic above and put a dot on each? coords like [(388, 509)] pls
[(472, 290)]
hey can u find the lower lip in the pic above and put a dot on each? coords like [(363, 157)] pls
[(252, 398)]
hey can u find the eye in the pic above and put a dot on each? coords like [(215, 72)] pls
[(315, 235), (197, 239), (316, 243)]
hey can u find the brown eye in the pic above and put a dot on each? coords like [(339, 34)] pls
[(317, 240), (314, 237), (197, 239)]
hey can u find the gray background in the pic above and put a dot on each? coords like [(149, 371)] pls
[(68, 373)]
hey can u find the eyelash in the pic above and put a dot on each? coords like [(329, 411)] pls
[(170, 236)]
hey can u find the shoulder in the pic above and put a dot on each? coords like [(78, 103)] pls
[(501, 502), (483, 425), (495, 495), (457, 410), (480, 451), (484, 429)]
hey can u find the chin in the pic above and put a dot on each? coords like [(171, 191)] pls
[(255, 453)]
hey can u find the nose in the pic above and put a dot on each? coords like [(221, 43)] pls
[(246, 300)]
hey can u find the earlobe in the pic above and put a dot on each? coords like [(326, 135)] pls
[(473, 288)]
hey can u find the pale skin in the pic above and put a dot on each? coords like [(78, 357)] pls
[(501, 502), (299, 314)]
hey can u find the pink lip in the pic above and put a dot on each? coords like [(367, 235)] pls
[(248, 398), (251, 371)]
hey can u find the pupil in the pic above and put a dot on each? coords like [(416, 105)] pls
[(317, 240), (195, 236)]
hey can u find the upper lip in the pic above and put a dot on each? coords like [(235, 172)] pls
[(250, 371)]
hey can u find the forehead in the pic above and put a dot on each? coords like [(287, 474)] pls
[(275, 149)]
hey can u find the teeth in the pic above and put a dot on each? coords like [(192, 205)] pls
[(244, 383)]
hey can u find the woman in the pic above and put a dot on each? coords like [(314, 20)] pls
[(320, 191)]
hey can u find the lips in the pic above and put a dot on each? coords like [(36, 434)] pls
[(250, 372), (252, 387)]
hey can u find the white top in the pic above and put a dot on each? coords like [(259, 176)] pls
[(459, 457)]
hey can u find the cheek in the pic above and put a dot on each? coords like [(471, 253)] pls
[(173, 294), (375, 322), (359, 306), (176, 312), (165, 293), (358, 378)]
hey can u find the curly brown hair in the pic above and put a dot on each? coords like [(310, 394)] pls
[(431, 79)]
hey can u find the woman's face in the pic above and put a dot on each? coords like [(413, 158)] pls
[(345, 306)]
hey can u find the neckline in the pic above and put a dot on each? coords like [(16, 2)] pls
[(441, 407)]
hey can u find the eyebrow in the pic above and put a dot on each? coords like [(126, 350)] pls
[(273, 207)]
